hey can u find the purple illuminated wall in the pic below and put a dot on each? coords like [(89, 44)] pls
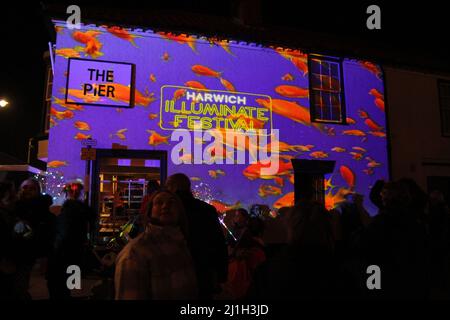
[(356, 147)]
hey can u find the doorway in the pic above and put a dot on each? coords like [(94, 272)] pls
[(118, 186)]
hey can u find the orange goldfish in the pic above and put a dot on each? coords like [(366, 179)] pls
[(300, 64), (222, 43), (120, 134), (59, 29), (88, 98), (253, 171), (56, 164), (357, 133), (68, 52), (123, 34), (327, 184), (359, 149), (287, 77), (222, 207), (195, 85), (205, 71), (363, 114), (178, 94), (81, 136), (122, 93), (181, 39), (285, 201), (165, 56), (279, 181), (251, 123), (348, 175), (215, 173), (157, 139), (268, 190), (377, 94), (368, 171), (212, 152), (52, 122), (378, 134), (318, 154), (306, 148), (195, 179), (289, 54), (83, 126), (63, 104), (290, 110), (372, 68), (332, 200), (292, 91), (372, 163), (356, 155), (338, 149), (61, 115), (152, 78), (228, 85), (153, 116), (379, 103), (350, 120), (89, 39), (373, 125)]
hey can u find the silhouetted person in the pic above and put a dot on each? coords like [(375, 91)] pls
[(395, 242), (72, 228), (157, 264), (375, 194), (33, 233), (206, 242), (306, 268), (7, 221)]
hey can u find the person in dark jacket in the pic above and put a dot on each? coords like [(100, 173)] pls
[(206, 239), (72, 229), (33, 233)]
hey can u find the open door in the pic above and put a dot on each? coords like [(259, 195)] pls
[(119, 181)]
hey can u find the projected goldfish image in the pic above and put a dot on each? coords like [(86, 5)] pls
[(123, 34), (181, 39), (216, 173), (292, 91), (195, 85), (348, 175), (205, 71), (318, 155), (89, 39), (222, 207), (262, 88), (82, 136), (156, 139), (227, 85), (287, 77), (285, 201), (56, 164), (83, 126), (62, 103), (372, 68), (68, 52), (268, 190), (119, 134), (338, 149)]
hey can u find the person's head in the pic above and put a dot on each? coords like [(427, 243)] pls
[(178, 182), (165, 209), (395, 194), (7, 193), (255, 226), (240, 217), (309, 225), (29, 189), (152, 186), (73, 190), (417, 195)]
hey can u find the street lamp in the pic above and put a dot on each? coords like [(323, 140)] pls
[(3, 103)]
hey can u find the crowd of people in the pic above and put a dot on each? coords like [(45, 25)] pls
[(182, 249)]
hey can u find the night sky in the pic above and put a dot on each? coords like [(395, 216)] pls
[(409, 27)]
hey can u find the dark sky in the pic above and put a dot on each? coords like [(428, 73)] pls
[(411, 25)]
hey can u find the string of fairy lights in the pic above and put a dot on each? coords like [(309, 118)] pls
[(52, 183)]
